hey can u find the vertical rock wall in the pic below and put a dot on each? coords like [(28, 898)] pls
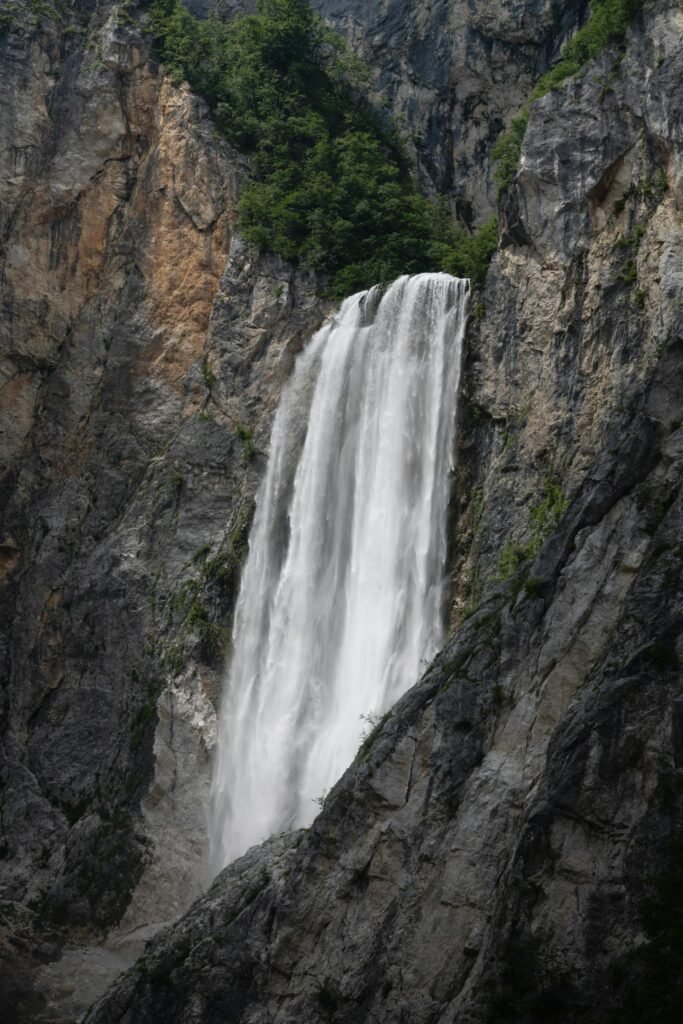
[(454, 74), (139, 367), (142, 349)]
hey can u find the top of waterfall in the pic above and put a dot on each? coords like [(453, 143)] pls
[(370, 300)]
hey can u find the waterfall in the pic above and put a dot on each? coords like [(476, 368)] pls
[(341, 598)]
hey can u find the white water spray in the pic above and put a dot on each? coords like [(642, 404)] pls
[(341, 597)]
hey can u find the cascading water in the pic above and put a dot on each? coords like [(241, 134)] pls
[(342, 592)]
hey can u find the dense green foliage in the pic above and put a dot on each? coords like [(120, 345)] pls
[(466, 255), (330, 188), (608, 23), (508, 148)]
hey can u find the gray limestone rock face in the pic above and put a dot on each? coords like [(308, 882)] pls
[(455, 74), (581, 300), (486, 854), (516, 801), (142, 351)]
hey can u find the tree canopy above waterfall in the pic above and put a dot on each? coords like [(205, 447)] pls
[(330, 186)]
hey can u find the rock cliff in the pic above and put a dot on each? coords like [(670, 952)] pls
[(142, 355), (485, 856), (454, 73)]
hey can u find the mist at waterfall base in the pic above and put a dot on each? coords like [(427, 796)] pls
[(341, 598)]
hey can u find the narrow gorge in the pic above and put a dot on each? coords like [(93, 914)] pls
[(455, 497)]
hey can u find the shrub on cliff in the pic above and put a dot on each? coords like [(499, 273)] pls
[(330, 186), (607, 24)]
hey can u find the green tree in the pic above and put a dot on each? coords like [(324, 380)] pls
[(330, 186)]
